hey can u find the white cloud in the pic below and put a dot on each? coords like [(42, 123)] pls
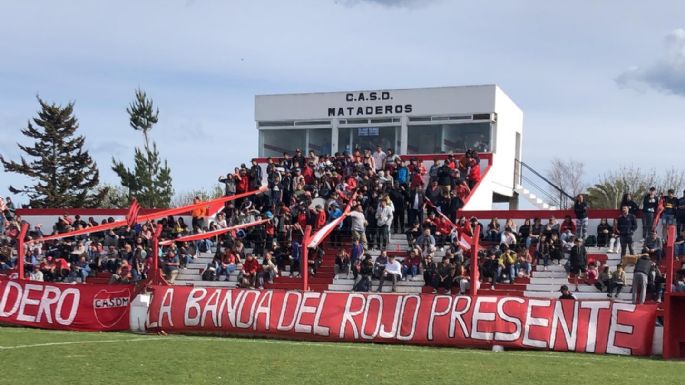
[(666, 74)]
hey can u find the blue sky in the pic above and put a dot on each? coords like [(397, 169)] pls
[(600, 83)]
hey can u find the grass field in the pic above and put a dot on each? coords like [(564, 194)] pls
[(31, 356)]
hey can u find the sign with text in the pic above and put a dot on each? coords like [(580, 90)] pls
[(423, 319), (381, 104), (63, 306)]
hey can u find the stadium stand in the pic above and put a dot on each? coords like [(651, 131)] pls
[(421, 213)]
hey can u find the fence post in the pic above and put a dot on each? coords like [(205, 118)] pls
[(475, 274), (21, 250), (155, 255), (305, 257)]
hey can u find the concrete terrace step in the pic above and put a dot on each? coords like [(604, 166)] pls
[(566, 281), (555, 288), (206, 283), (387, 288), (624, 296)]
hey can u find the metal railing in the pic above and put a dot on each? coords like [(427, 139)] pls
[(543, 187)]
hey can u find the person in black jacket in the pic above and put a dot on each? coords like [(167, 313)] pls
[(398, 195), (680, 214), (650, 202), (603, 233), (580, 208), (415, 206), (627, 200), (626, 225)]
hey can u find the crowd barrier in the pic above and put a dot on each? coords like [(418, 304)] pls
[(64, 306), (425, 319), (420, 319)]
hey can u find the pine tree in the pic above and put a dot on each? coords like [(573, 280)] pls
[(63, 173), (150, 180)]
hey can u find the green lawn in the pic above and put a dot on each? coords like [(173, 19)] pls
[(31, 356)]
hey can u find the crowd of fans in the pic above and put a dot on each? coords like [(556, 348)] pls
[(391, 194)]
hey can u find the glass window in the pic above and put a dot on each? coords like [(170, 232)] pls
[(363, 138), (459, 137), (424, 139), (436, 138), (320, 141), (276, 142)]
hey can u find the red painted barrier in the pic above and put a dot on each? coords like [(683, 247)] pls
[(64, 306), (422, 319)]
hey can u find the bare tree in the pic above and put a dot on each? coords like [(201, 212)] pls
[(568, 176), (672, 178)]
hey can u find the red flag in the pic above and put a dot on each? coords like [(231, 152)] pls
[(132, 215)]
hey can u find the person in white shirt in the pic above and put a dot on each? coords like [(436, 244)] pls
[(393, 272), (379, 158), (508, 237), (36, 274), (384, 220)]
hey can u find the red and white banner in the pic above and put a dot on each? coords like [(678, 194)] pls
[(423, 319), (320, 235), (214, 233), (64, 306)]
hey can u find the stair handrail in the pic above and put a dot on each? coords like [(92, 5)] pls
[(559, 189)]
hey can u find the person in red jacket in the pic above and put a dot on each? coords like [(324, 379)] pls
[(568, 224), (474, 173), (250, 271), (319, 217)]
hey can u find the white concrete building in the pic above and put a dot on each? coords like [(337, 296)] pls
[(409, 121)]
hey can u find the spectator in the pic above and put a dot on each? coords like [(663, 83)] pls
[(36, 274), (269, 268), (580, 208), (524, 263), (642, 269), (626, 224), (358, 225), (248, 275), (603, 233), (649, 208), (578, 259), (627, 200), (416, 206), (462, 279), (543, 252), (365, 272), (443, 276), (379, 264), (392, 272), (680, 213), (670, 205), (426, 242), (171, 264), (603, 281), (493, 234), (565, 293), (618, 280), (653, 246), (411, 265), (507, 263), (384, 221)]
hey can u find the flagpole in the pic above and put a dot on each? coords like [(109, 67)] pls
[(20, 249), (155, 254), (474, 261), (305, 258)]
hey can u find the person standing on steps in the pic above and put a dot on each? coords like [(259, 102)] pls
[(650, 202), (626, 225), (580, 208), (642, 268)]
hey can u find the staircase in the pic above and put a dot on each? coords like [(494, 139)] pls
[(533, 199)]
